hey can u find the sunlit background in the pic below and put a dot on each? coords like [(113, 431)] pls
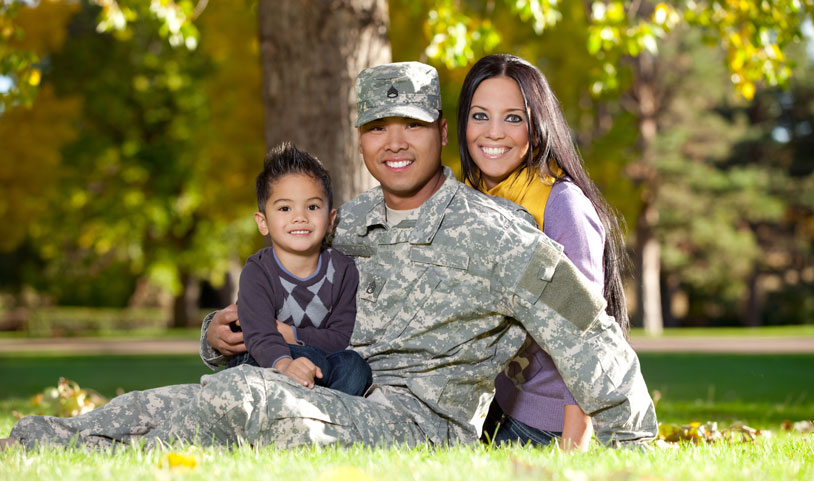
[(131, 132)]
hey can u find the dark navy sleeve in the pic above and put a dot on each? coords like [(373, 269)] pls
[(334, 334), (256, 302)]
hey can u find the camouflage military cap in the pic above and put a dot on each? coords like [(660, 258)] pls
[(405, 89)]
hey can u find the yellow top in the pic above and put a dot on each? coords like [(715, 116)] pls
[(530, 193)]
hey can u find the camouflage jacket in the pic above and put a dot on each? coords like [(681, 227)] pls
[(445, 302)]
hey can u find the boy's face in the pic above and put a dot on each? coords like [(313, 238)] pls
[(296, 216), (404, 155)]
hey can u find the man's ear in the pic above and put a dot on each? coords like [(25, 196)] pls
[(260, 219), (358, 137), (442, 124)]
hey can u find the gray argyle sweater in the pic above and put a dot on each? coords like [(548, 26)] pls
[(320, 308)]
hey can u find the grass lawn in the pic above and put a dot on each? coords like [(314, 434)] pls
[(759, 390), (796, 330)]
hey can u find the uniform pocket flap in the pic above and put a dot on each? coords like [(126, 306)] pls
[(428, 255), (354, 250)]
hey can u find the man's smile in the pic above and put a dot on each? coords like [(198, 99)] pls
[(398, 164)]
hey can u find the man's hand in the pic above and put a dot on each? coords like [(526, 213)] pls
[(287, 332), (301, 370), (221, 337)]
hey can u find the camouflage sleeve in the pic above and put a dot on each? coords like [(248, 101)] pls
[(600, 369), (212, 358), (556, 305)]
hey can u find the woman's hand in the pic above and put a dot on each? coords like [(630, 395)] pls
[(577, 429)]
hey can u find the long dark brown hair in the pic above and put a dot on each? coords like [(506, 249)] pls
[(550, 145)]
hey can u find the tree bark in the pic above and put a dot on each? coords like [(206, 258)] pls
[(648, 249), (185, 304), (311, 52), (754, 303)]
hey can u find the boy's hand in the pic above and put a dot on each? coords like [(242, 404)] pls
[(301, 370), (287, 332), (220, 336)]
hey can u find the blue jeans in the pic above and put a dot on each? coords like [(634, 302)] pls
[(344, 371), (500, 428)]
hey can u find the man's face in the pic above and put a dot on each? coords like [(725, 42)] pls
[(404, 155)]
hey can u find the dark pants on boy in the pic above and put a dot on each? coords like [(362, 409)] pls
[(344, 371)]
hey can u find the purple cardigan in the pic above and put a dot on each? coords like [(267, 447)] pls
[(533, 391)]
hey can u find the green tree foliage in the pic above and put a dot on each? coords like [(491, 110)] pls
[(32, 133), (152, 172), (733, 201), (129, 186), (604, 130), (17, 63), (20, 61), (781, 144), (709, 209), (174, 19), (706, 206), (754, 34), (137, 156)]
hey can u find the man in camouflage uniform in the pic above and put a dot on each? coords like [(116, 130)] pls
[(451, 282)]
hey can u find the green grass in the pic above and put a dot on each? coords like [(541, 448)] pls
[(786, 457), (759, 390), (797, 330), (140, 333), (106, 374)]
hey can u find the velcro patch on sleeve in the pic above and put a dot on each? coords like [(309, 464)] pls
[(571, 296), (539, 271), (552, 279)]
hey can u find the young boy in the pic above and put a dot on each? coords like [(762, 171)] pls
[(297, 299)]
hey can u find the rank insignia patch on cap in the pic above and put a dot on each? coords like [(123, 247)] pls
[(406, 89)]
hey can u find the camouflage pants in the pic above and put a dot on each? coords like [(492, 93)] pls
[(241, 405)]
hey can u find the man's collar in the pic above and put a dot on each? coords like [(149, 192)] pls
[(430, 215)]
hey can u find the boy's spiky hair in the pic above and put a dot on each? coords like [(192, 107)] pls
[(286, 159)]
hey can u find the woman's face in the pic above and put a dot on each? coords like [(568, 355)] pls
[(497, 134)]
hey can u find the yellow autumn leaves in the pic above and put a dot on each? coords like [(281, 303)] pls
[(179, 461), (709, 433), (67, 399)]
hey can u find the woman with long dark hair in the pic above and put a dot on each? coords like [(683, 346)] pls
[(515, 143)]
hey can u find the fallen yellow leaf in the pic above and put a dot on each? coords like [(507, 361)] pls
[(178, 461)]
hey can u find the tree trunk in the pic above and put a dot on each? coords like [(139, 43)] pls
[(227, 293), (649, 271), (311, 52), (185, 304), (648, 250), (754, 303)]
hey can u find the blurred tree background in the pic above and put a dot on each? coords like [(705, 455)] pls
[(131, 132)]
